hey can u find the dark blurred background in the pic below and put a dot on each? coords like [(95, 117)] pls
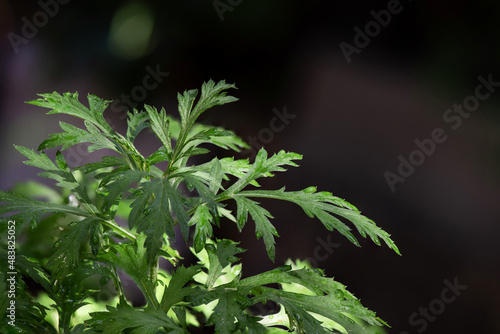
[(350, 120)]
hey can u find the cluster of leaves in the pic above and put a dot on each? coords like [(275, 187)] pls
[(122, 212)]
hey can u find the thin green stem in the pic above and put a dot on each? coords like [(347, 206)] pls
[(118, 285), (153, 272), (120, 230), (150, 295)]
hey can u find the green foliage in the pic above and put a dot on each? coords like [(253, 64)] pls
[(123, 212)]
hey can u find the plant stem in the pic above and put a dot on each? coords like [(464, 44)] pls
[(118, 285), (120, 230), (153, 271)]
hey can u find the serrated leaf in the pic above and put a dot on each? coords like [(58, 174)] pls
[(212, 95), (107, 161), (151, 213), (74, 135), (133, 321), (195, 151), (229, 314), (160, 155), (175, 291), (160, 126), (58, 171), (218, 136), (229, 308), (202, 219), (264, 167), (220, 255), (32, 210), (67, 256), (33, 270), (68, 104), (221, 137), (132, 258), (30, 315), (328, 298), (230, 167), (324, 206), (207, 184), (70, 294), (186, 101), (153, 220), (137, 121), (117, 182), (263, 227)]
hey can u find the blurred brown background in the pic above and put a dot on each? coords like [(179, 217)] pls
[(351, 121)]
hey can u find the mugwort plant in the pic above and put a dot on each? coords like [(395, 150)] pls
[(116, 218)]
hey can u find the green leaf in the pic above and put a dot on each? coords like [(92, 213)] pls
[(263, 227), (175, 291), (34, 271), (70, 294), (215, 135), (160, 155), (151, 213), (32, 210), (67, 256), (107, 161), (160, 126), (324, 206), (212, 95), (220, 255), (68, 104), (186, 102), (30, 315), (132, 259), (229, 307), (154, 201), (137, 121), (328, 298), (117, 182), (202, 219), (126, 319), (74, 135), (229, 166), (58, 171), (195, 151), (263, 167)]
